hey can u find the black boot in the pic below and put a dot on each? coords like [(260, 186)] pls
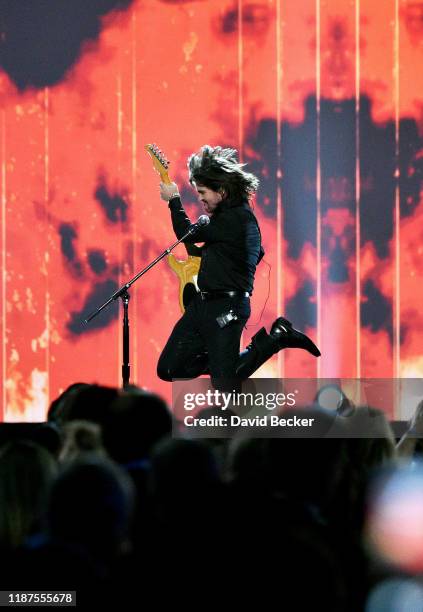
[(263, 346), (288, 337)]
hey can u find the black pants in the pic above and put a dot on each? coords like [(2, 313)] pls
[(198, 342)]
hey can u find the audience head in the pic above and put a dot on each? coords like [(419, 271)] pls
[(80, 437), (91, 506), (137, 420), (26, 473)]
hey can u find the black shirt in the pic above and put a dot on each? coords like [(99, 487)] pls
[(232, 245)]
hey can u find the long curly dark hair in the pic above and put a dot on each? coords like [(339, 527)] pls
[(219, 169)]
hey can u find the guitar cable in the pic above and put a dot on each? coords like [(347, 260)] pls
[(268, 277), (267, 297)]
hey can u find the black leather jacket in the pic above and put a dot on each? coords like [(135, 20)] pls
[(232, 245)]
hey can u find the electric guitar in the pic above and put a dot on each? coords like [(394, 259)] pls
[(185, 269)]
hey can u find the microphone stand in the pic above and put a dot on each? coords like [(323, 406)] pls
[(124, 295)]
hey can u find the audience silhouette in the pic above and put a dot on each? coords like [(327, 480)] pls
[(113, 498)]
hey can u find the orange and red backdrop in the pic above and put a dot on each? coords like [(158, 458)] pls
[(324, 101)]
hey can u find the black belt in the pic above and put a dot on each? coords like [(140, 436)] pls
[(214, 295)]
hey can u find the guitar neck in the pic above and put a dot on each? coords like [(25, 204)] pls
[(165, 178)]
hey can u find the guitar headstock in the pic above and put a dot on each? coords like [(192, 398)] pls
[(160, 163)]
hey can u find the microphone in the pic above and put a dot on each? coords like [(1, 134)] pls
[(202, 221)]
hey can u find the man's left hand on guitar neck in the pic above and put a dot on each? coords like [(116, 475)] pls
[(169, 191)]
